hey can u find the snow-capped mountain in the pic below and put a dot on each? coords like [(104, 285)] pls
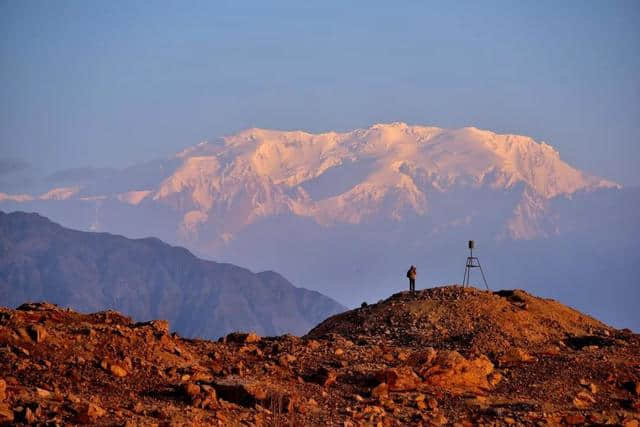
[(386, 171), (330, 209)]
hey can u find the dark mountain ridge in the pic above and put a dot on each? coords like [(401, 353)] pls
[(147, 278)]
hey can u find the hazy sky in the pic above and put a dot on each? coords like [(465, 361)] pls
[(112, 83)]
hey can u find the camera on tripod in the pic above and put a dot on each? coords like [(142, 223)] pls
[(472, 262)]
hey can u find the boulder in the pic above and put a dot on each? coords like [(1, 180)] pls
[(399, 379), (451, 371), (38, 333), (516, 355), (239, 391), (242, 338), (583, 400), (113, 368), (403, 356), (422, 358), (46, 394), (117, 370), (22, 334), (313, 344), (285, 359), (6, 414), (159, 326), (380, 391), (191, 390), (94, 411), (89, 413), (210, 400), (494, 378), (29, 416), (324, 376), (574, 419)]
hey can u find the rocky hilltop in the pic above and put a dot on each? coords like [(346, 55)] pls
[(465, 319), (440, 356)]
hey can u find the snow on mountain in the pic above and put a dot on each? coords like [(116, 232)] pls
[(15, 197), (387, 171), (133, 197), (60, 193)]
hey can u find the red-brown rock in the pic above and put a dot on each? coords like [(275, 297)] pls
[(38, 333), (399, 379), (451, 371)]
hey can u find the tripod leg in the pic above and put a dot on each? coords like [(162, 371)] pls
[(483, 279), (467, 275)]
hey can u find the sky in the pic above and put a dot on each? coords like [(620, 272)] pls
[(111, 84)]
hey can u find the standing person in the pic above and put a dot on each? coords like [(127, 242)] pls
[(411, 274)]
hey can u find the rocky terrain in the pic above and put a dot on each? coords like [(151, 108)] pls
[(441, 356), (148, 279)]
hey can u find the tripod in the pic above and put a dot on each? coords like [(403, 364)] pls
[(472, 262)]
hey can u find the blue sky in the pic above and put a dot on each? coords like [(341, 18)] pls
[(119, 82)]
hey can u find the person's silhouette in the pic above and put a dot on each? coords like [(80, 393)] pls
[(411, 274)]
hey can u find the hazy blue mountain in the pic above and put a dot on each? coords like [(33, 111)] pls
[(147, 279)]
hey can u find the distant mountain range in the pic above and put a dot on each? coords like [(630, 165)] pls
[(347, 213), (147, 279), (217, 190)]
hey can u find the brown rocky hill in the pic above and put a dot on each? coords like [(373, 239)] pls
[(442, 356), (466, 319)]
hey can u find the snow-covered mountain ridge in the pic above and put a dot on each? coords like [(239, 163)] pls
[(293, 157), (385, 171)]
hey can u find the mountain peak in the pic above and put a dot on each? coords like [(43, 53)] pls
[(388, 170), (393, 125)]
